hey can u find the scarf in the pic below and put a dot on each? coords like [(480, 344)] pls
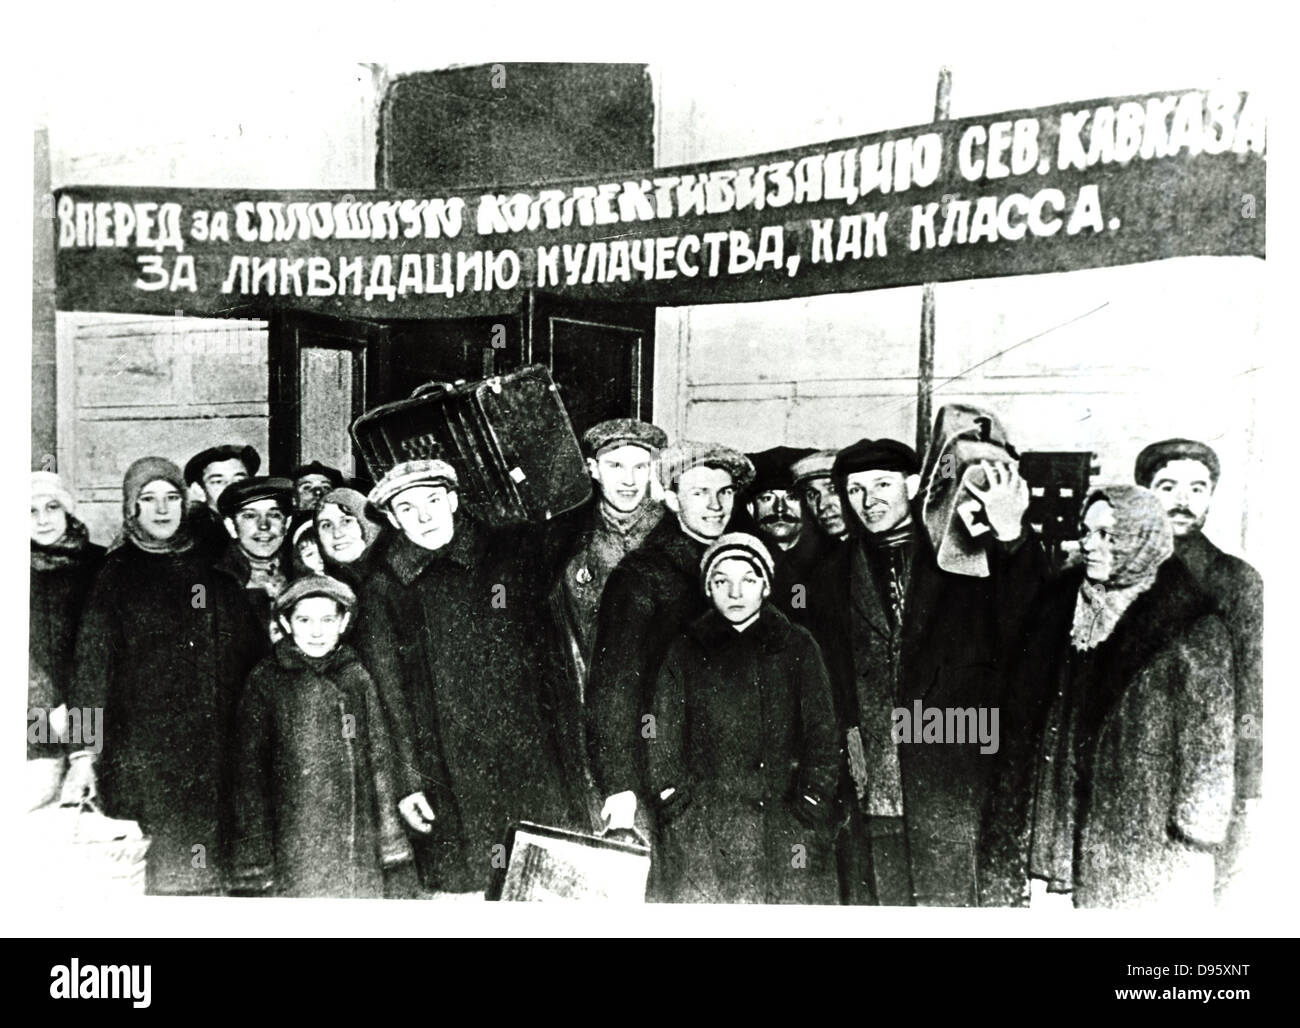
[(265, 574), (622, 524), (69, 549), (892, 567), (1142, 541)]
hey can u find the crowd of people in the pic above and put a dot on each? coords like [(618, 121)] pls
[(313, 686)]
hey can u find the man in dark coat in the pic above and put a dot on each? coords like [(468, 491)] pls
[(164, 648), (649, 598), (599, 534), (256, 513), (212, 470), (1184, 474), (776, 514), (743, 766), (898, 630), (451, 631)]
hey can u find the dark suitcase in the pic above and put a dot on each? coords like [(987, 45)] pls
[(508, 437)]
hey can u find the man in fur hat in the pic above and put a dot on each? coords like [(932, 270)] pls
[(1184, 474)]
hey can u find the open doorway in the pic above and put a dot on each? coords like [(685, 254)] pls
[(326, 371)]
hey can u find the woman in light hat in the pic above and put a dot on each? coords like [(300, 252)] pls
[(743, 762), (1117, 779), (63, 564), (163, 649), (347, 535)]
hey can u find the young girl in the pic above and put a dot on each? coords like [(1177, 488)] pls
[(743, 764), (315, 807)]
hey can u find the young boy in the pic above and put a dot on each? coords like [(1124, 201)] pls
[(315, 808)]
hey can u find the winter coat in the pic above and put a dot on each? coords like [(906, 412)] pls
[(650, 598), (794, 571), (745, 736), (60, 582), (455, 642), (315, 804), (209, 530), (1152, 751), (591, 552), (949, 654), (164, 648)]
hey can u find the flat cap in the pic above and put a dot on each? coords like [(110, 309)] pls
[(623, 431), (678, 459), (772, 468), (1157, 455), (876, 455), (195, 466), (815, 465), (239, 494), (412, 473), (742, 545), (315, 585), (315, 467)]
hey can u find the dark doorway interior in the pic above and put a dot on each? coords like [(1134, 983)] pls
[(325, 371)]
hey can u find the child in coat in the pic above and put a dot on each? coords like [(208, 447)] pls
[(315, 809)]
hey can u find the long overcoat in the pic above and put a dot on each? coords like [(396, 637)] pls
[(315, 803), (57, 592), (455, 642), (164, 648), (949, 654), (1155, 764), (746, 739)]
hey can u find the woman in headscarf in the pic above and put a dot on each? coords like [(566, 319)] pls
[(744, 761), (164, 647), (347, 535), (63, 563), (1116, 784)]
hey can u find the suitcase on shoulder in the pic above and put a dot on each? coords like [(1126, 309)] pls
[(508, 437)]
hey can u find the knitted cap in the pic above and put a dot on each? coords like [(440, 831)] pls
[(141, 473), (747, 547), (47, 483)]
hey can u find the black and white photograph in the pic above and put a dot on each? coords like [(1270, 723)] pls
[(647, 485)]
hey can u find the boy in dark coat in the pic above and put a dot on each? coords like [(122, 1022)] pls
[(744, 758), (315, 804)]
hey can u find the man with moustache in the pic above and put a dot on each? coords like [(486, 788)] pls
[(896, 627), (617, 520), (1184, 474), (650, 597), (813, 484), (774, 506)]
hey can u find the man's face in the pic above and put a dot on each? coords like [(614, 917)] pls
[(824, 502), (878, 498), (159, 509), (736, 589), (316, 625), (426, 514), (703, 501), (623, 475), (779, 515), (259, 528), (218, 475), (310, 490), (49, 520), (340, 534), (1185, 489), (1097, 541)]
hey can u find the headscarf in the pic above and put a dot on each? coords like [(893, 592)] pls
[(355, 504), (139, 475), (1142, 540), (72, 545)]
